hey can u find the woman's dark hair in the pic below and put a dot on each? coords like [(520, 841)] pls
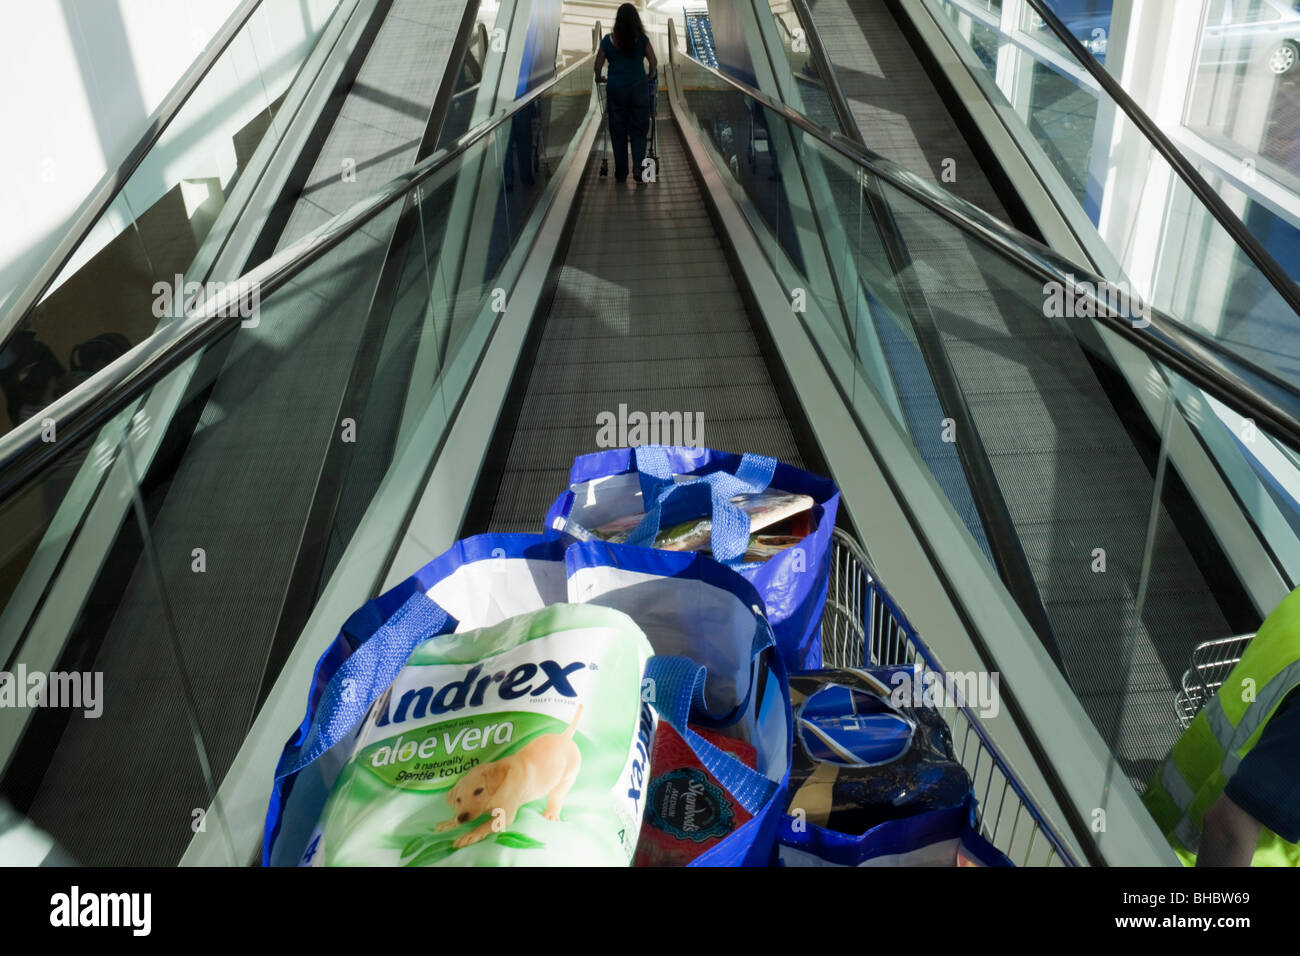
[(627, 28)]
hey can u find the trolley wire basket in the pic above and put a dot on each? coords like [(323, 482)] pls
[(1212, 662), (862, 626)]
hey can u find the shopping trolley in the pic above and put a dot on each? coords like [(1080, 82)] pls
[(602, 97), (862, 626), (652, 140), (652, 144), (1212, 662)]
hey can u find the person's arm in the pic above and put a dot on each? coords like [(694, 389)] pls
[(650, 55), (1229, 835), (600, 62), (1263, 794)]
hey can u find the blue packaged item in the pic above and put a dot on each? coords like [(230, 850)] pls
[(861, 758), (873, 778), (933, 838)]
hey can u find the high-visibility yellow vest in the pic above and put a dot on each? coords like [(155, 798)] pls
[(1204, 759)]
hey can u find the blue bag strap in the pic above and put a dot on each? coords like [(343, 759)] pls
[(678, 684), (730, 531), (365, 675), (753, 474), (652, 469)]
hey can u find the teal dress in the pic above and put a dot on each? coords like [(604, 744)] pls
[(624, 70), (628, 103)]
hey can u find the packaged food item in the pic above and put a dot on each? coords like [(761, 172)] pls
[(860, 759), (687, 811), (764, 546), (524, 743), (766, 510)]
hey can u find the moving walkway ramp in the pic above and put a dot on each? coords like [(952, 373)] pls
[(894, 101), (495, 299), (645, 310), (1059, 431), (1063, 433)]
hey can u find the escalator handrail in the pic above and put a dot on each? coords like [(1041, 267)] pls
[(1278, 277), (114, 181), (1249, 390), (25, 451)]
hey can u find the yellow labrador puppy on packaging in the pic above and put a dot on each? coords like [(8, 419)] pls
[(524, 743), (544, 769)]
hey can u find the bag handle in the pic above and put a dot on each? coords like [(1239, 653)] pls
[(365, 675), (753, 474), (678, 684), (708, 494)]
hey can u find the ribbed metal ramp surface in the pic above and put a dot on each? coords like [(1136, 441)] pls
[(646, 314), (379, 127), (1071, 476), (899, 111)]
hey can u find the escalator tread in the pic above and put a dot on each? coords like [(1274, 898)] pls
[(899, 111)]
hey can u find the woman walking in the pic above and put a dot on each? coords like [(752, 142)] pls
[(625, 49)]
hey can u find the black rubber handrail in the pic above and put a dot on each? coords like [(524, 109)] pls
[(24, 453), (1277, 276), (114, 181)]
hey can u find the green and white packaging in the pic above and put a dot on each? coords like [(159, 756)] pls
[(522, 744)]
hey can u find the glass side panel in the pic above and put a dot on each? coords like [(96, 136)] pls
[(120, 280), (1150, 235), (469, 92), (229, 496), (809, 94)]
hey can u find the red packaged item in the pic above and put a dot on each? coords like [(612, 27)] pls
[(686, 810)]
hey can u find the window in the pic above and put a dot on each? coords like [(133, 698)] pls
[(1254, 11)]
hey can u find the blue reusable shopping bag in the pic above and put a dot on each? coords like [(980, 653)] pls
[(680, 696), (945, 837), (702, 618), (715, 665), (355, 669), (615, 484), (483, 580)]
